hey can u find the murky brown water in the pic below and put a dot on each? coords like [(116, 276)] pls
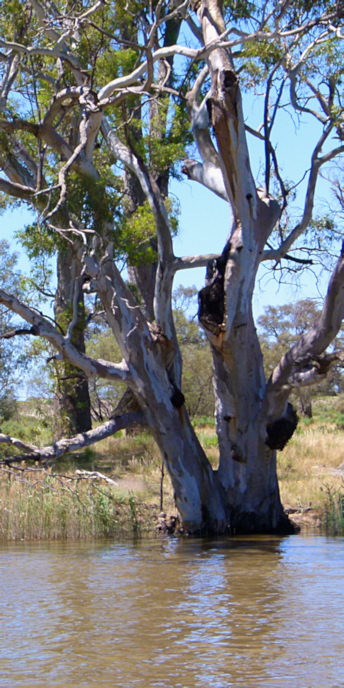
[(177, 614)]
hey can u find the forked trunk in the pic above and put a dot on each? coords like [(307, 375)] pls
[(241, 496)]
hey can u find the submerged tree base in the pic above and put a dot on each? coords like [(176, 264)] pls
[(241, 524), (247, 523)]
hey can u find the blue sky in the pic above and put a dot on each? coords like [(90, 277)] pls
[(203, 228), (205, 219), (204, 224)]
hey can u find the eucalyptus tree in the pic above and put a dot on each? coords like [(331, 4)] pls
[(21, 165), (86, 67), (8, 361)]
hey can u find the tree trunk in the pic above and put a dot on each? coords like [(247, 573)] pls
[(242, 495), (197, 490), (147, 353), (71, 388), (247, 466)]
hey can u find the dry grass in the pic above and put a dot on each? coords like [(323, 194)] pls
[(310, 463), (135, 464), (46, 504), (60, 504), (207, 437)]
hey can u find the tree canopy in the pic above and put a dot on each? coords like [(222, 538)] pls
[(102, 103)]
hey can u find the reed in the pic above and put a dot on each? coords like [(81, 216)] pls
[(45, 506), (333, 520), (58, 503)]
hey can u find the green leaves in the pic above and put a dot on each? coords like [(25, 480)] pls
[(15, 19), (258, 58), (8, 358), (238, 9), (36, 238), (136, 235)]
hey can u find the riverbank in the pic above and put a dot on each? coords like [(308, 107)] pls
[(118, 489)]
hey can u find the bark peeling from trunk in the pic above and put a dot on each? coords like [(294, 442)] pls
[(211, 299)]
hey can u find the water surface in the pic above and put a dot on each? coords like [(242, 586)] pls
[(248, 612)]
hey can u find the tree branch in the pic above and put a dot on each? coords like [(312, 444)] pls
[(207, 174), (319, 367), (91, 366), (316, 163), (64, 446), (19, 331), (187, 262), (55, 52), (163, 286), (16, 190), (305, 362), (47, 133)]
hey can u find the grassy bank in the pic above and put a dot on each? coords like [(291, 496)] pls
[(311, 467), (63, 502)]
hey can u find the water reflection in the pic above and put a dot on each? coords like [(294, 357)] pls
[(245, 612)]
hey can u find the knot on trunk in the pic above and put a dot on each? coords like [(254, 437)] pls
[(281, 430), (188, 167), (165, 345), (230, 81), (177, 398), (223, 101), (211, 299)]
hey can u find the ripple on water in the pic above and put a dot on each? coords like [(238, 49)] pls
[(247, 612)]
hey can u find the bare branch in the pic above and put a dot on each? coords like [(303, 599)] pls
[(30, 50), (319, 367), (9, 75), (16, 190), (293, 73), (18, 332), (91, 366), (64, 446), (134, 77), (19, 444), (163, 285), (187, 262), (75, 304), (316, 163), (305, 362), (50, 136), (269, 122), (63, 171), (95, 475), (207, 174)]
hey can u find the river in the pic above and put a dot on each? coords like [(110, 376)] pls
[(247, 612)]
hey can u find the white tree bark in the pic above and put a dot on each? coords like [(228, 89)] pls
[(252, 419)]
